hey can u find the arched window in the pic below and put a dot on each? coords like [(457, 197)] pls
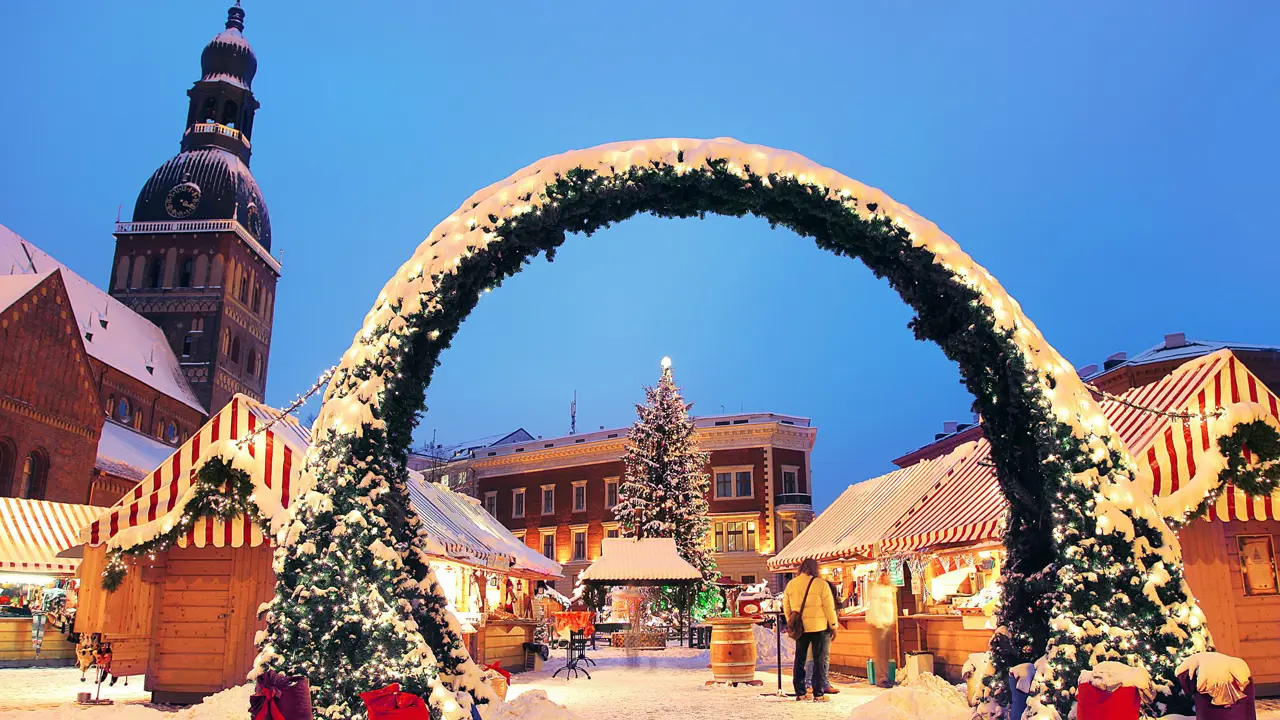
[(35, 473), (111, 404), (137, 420), (188, 344), (251, 363), (209, 113), (230, 114), (156, 273), (257, 298), (8, 453), (171, 433), (188, 271), (244, 287), (124, 411), (122, 273), (235, 349)]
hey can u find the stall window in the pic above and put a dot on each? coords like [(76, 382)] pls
[(517, 503), (580, 496), (549, 545), (490, 500), (548, 499), (579, 544), (610, 492)]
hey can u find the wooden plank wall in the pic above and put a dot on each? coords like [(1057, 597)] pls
[(946, 638), (1242, 625), (16, 650), (504, 643), (853, 646), (123, 616), (205, 619)]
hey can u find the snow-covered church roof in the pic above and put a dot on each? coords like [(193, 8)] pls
[(121, 338)]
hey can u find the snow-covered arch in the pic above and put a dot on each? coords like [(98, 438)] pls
[(1093, 573)]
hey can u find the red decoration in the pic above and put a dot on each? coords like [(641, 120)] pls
[(575, 622), (1098, 704), (281, 697), (389, 703), (497, 667)]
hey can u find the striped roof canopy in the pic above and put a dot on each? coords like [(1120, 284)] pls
[(854, 524), (273, 459), (33, 532), (967, 506)]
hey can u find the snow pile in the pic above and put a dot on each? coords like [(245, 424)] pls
[(927, 696), (975, 671), (1222, 677), (1110, 675), (767, 647), (529, 705), (232, 703)]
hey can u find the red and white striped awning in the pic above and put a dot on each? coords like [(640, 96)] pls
[(159, 501), (1170, 449), (852, 527), (33, 532), (967, 507)]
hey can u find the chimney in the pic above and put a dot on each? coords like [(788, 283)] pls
[(1088, 371), (1114, 360), (1175, 340), (950, 426)]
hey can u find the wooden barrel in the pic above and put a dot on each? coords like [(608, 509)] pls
[(733, 649)]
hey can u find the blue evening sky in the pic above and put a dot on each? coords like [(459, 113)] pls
[(1114, 167)]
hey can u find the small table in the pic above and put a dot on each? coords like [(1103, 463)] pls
[(579, 625)]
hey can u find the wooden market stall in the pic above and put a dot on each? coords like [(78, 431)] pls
[(35, 584), (942, 553), (186, 616)]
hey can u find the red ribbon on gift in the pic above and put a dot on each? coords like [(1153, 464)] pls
[(497, 667), (270, 709)]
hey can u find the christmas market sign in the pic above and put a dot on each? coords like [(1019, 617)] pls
[(1094, 571)]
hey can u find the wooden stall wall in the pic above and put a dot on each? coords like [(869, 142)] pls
[(205, 618), (504, 643), (123, 616), (946, 638), (853, 646), (1242, 625), (16, 649)]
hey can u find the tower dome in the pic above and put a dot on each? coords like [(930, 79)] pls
[(228, 55)]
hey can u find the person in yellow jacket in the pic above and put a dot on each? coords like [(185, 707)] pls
[(811, 596)]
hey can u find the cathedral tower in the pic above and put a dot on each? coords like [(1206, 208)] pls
[(196, 258)]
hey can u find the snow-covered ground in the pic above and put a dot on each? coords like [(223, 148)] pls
[(672, 683), (668, 683)]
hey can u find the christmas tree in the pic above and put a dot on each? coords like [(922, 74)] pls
[(664, 493)]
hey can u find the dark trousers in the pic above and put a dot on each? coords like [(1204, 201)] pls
[(820, 644)]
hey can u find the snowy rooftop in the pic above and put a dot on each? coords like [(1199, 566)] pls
[(707, 422), (650, 560), (129, 454), (122, 338), (1177, 346)]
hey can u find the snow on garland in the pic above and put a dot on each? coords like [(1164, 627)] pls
[(1087, 549), (1247, 441)]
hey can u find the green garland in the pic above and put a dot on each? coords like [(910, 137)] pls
[(1038, 459), (1258, 476), (221, 493)]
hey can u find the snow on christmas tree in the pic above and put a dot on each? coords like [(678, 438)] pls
[(664, 493)]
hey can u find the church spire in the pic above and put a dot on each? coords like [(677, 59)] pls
[(235, 17)]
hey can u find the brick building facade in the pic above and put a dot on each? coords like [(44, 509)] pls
[(557, 494)]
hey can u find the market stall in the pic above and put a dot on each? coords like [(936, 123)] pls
[(185, 610), (646, 562), (38, 590)]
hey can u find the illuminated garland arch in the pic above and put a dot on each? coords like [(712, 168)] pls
[(1093, 571)]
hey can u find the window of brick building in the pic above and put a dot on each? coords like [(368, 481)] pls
[(549, 545), (517, 503), (35, 474), (579, 544), (612, 531), (580, 496), (733, 483), (790, 479), (610, 492), (735, 536), (490, 501), (548, 499)]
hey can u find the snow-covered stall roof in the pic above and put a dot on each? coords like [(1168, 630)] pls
[(33, 532), (858, 519), (967, 506), (460, 530), (122, 338), (129, 454), (653, 561), (273, 460)]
